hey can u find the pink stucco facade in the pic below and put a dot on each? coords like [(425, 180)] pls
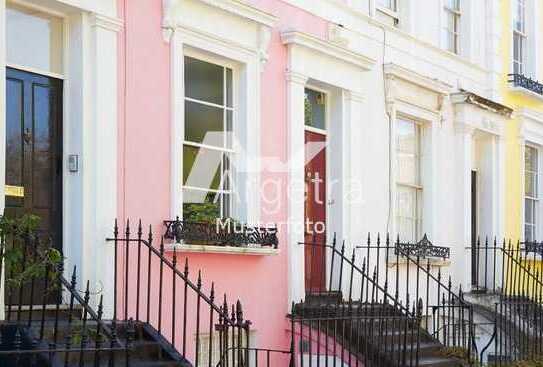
[(145, 153)]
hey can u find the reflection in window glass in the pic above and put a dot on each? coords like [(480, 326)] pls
[(408, 182), (33, 39), (519, 37), (451, 32), (388, 4), (531, 192), (315, 109), (208, 140)]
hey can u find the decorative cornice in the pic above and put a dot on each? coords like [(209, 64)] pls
[(173, 14), (295, 77), (327, 48), (481, 102), (264, 38), (336, 35), (393, 71), (105, 22)]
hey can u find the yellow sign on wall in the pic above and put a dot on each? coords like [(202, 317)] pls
[(15, 191)]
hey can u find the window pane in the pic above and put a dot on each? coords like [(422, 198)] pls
[(229, 129), (529, 211), (407, 213), (315, 112), (204, 124), (407, 152), (202, 167), (204, 81), (529, 233), (530, 156), (200, 206), (516, 47), (389, 4), (407, 168), (34, 39), (531, 172), (229, 86), (519, 16), (406, 136)]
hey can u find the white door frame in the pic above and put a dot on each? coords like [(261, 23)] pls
[(89, 130)]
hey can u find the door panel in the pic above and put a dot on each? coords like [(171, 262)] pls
[(34, 151), (315, 215)]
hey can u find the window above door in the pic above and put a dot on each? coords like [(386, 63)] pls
[(34, 40)]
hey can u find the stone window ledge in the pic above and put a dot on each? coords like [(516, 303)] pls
[(228, 250)]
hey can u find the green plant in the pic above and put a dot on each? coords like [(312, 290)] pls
[(201, 212), (26, 256)]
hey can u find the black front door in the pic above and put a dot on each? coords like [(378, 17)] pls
[(34, 151)]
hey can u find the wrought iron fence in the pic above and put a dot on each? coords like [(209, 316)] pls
[(507, 269), (157, 292), (227, 233), (258, 357), (399, 275), (370, 335), (49, 320), (520, 80)]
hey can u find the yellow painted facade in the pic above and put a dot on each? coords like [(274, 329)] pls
[(514, 140), (514, 159)]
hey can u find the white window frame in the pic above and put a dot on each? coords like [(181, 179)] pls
[(393, 7), (230, 151), (417, 187), (246, 120), (523, 36), (392, 11), (456, 32), (536, 199)]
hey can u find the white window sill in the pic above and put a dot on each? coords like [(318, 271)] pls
[(228, 250), (526, 92), (434, 261)]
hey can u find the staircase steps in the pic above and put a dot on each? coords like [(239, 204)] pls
[(148, 347), (375, 334)]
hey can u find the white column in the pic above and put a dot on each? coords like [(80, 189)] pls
[(178, 122), (100, 158), (353, 160), (500, 172), (296, 188), (2, 129), (464, 153)]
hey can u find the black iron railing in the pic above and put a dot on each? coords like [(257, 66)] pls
[(373, 335), (220, 233), (518, 333), (48, 319), (390, 273), (507, 269), (258, 357), (522, 81), (153, 289)]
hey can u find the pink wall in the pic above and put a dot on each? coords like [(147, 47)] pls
[(144, 156)]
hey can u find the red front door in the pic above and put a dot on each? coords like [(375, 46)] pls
[(315, 211)]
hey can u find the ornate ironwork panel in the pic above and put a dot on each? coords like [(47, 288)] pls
[(519, 80), (221, 234), (423, 248), (534, 247)]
